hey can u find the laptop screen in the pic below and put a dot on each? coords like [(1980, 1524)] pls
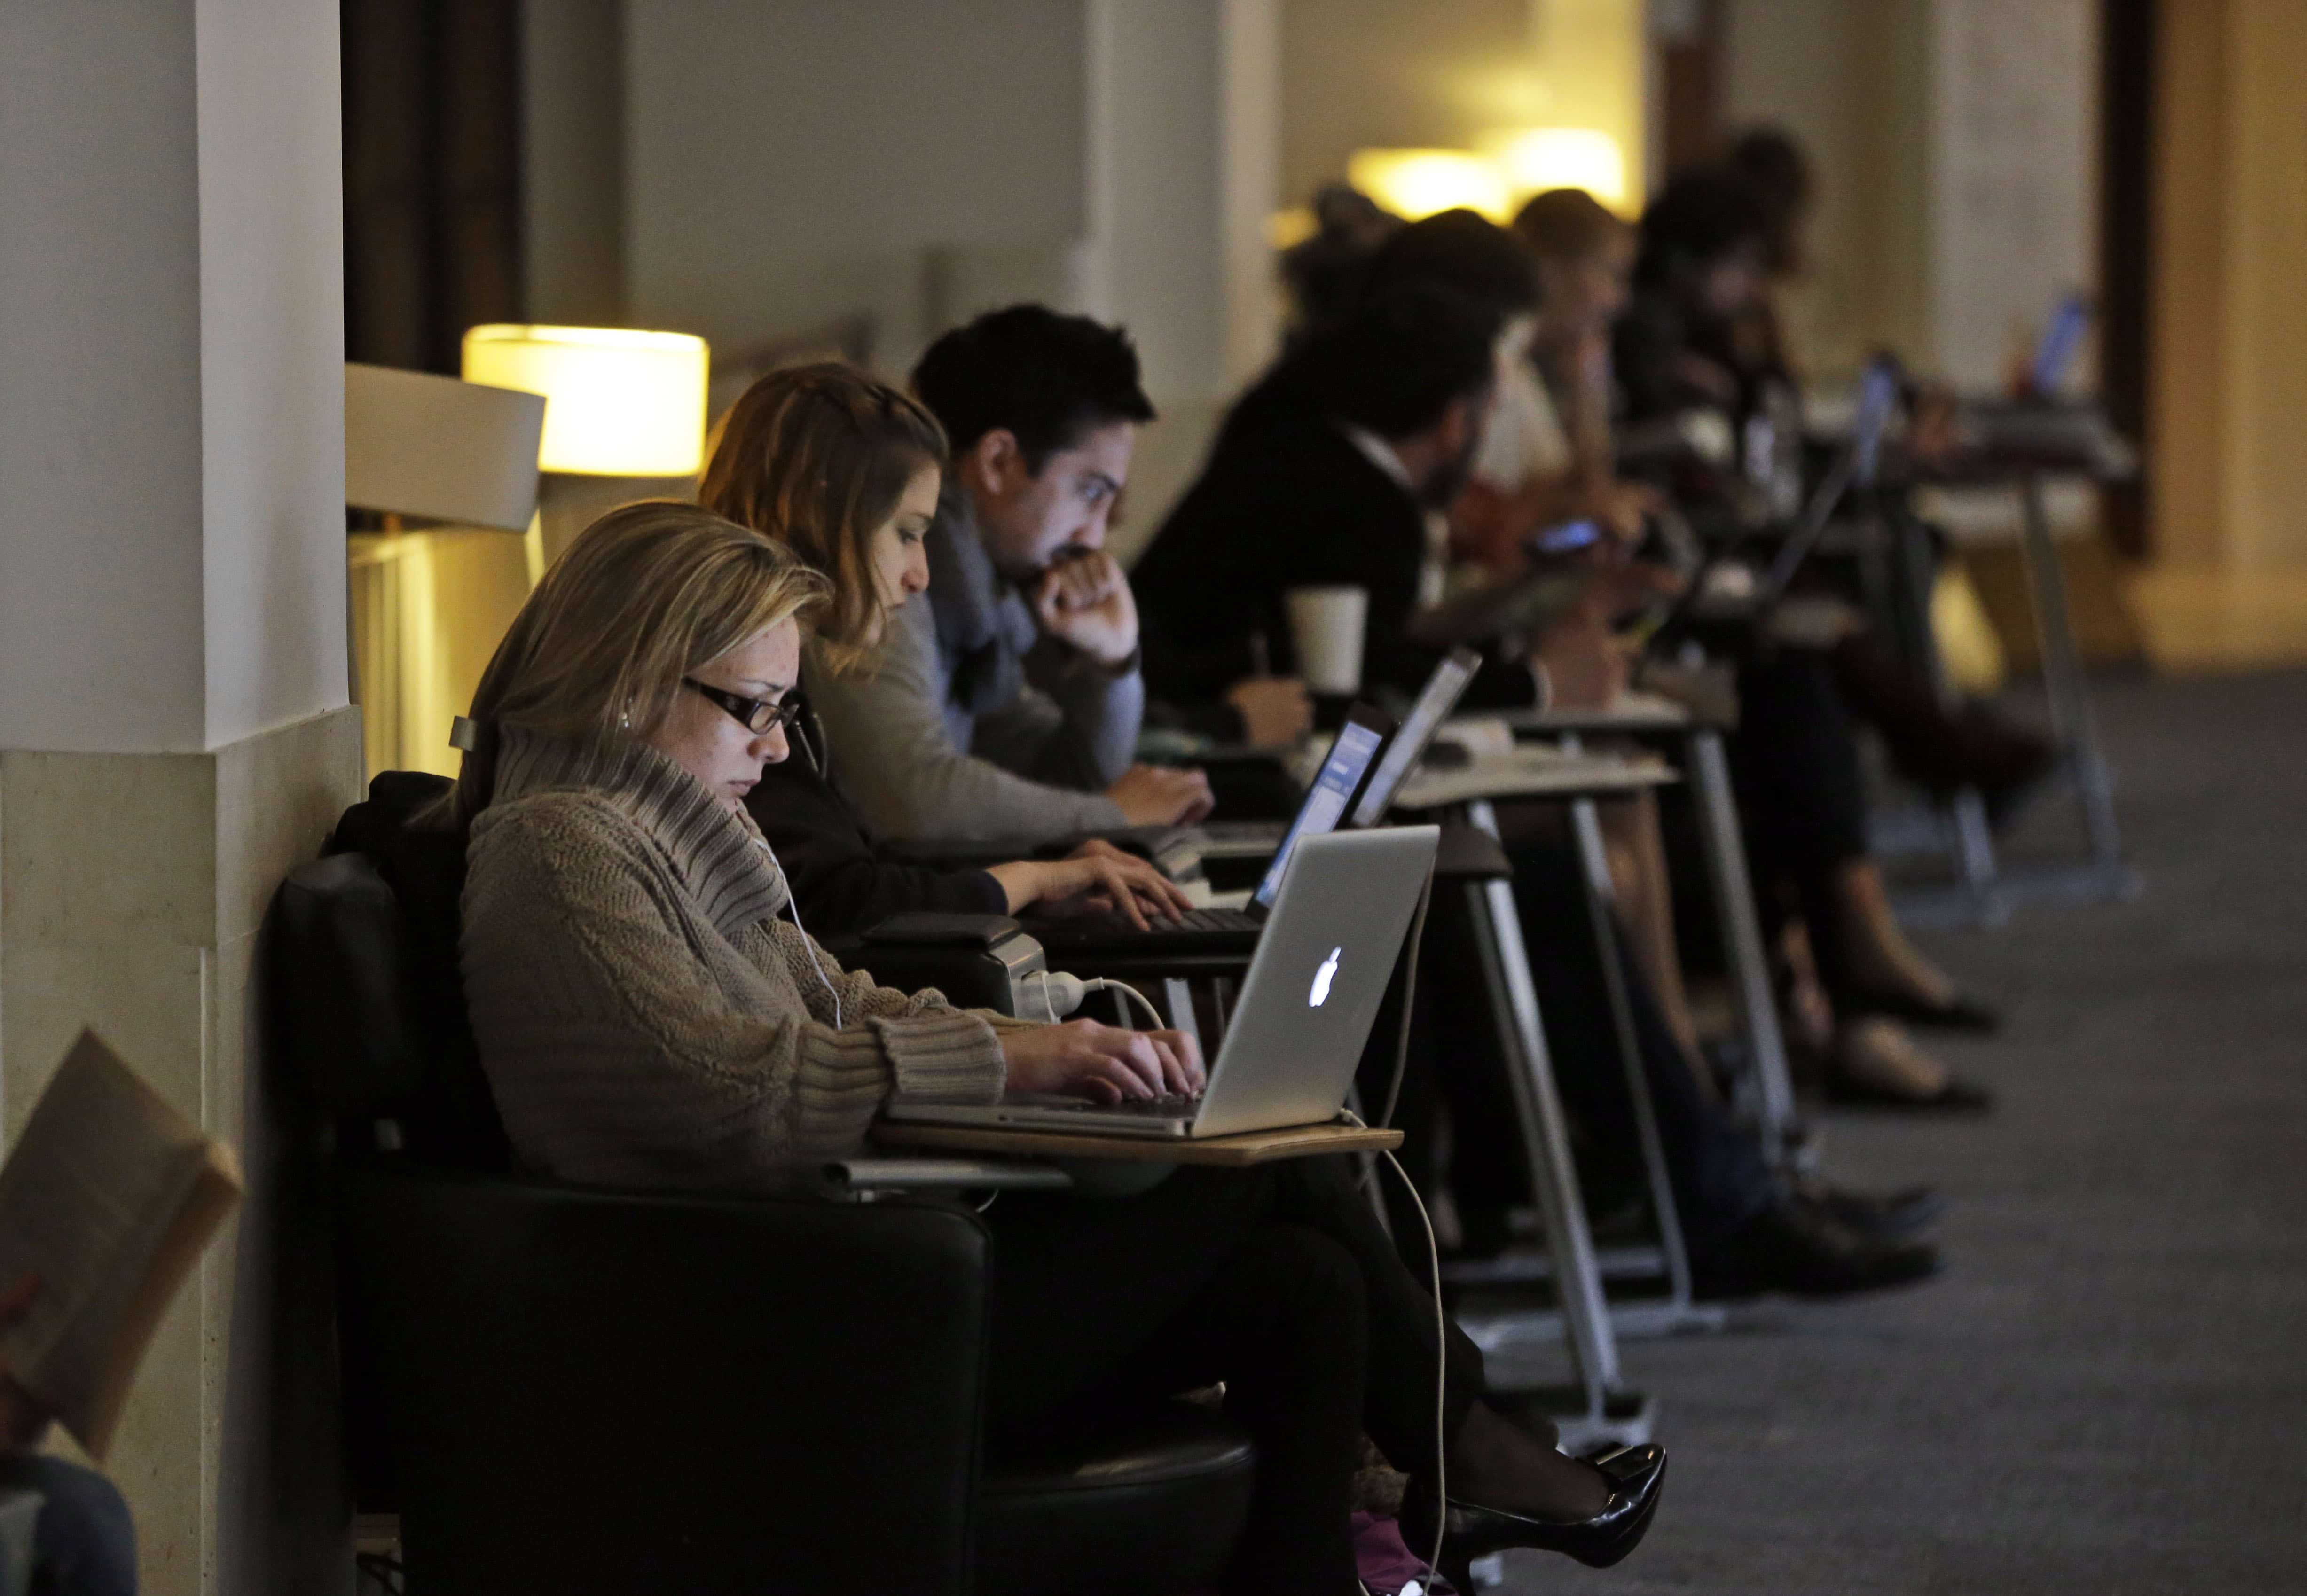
[(1436, 700), (1326, 802), (2062, 339)]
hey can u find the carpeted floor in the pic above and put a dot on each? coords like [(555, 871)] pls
[(2107, 1393)]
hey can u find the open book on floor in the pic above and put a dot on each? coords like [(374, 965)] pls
[(110, 1196)]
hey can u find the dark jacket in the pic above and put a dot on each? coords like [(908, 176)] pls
[(842, 880), (1287, 501)]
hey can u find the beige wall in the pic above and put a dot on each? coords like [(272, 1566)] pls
[(2189, 329), (786, 163), (572, 131), (1848, 80), (119, 188), (1390, 73), (789, 164), (2266, 238), (2230, 327), (1409, 72), (2227, 476), (1957, 167)]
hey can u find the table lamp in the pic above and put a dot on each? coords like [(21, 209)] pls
[(1535, 159), (430, 601), (624, 414), (1415, 184)]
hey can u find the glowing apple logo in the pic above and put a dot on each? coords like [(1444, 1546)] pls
[(1324, 974)]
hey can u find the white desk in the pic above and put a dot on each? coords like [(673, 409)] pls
[(1581, 780)]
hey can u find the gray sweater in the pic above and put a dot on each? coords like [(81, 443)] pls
[(967, 723), (643, 1016)]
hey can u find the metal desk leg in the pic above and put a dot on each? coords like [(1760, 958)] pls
[(1986, 891), (2071, 722), (1974, 853), (1546, 1138), (1594, 868), (1741, 940)]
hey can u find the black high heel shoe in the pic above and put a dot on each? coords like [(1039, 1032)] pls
[(1637, 1476)]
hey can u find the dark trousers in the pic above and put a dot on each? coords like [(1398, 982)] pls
[(1716, 1169), (1275, 1279), (1794, 761), (85, 1544)]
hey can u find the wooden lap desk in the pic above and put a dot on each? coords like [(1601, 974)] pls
[(1254, 1146)]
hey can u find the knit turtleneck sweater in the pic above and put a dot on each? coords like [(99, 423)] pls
[(644, 1016)]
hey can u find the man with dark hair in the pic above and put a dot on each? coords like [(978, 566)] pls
[(1005, 702), (1324, 474)]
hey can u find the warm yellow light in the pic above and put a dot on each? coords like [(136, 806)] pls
[(1287, 229), (1534, 160), (1417, 182), (616, 403)]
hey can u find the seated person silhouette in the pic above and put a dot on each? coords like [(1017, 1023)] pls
[(647, 1016)]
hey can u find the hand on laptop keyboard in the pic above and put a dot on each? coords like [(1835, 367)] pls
[(1103, 1063), (1096, 877)]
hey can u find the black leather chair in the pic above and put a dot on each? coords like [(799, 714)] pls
[(564, 1390)]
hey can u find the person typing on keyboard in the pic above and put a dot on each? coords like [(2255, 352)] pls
[(648, 1016), (845, 471)]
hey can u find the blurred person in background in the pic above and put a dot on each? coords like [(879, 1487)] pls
[(1323, 271), (1328, 472), (1585, 264), (1701, 274)]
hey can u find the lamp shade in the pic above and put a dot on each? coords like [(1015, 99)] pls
[(1416, 184), (421, 445), (1535, 159), (617, 403)]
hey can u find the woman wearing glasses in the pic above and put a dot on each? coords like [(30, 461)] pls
[(647, 1017)]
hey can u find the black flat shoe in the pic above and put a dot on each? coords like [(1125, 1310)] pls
[(1794, 1245), (1958, 1013), (1885, 1216), (1637, 1475)]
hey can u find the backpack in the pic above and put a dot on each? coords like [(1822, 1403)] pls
[(452, 1118)]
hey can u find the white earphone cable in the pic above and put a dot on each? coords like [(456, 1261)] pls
[(793, 907)]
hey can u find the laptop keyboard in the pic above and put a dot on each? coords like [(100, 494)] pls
[(1111, 927), (1138, 1108)]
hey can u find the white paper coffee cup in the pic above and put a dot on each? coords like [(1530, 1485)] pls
[(1325, 630)]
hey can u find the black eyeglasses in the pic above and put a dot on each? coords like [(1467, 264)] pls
[(757, 715)]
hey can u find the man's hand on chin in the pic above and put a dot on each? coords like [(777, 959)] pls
[(1086, 602)]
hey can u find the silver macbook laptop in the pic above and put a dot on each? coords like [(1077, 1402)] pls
[(1305, 1009)]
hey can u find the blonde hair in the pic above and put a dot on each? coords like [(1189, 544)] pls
[(816, 457), (644, 596)]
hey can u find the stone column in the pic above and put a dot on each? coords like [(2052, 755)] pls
[(1182, 151), (174, 733)]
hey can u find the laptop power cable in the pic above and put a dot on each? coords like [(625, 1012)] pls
[(1441, 1352), (1062, 992)]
